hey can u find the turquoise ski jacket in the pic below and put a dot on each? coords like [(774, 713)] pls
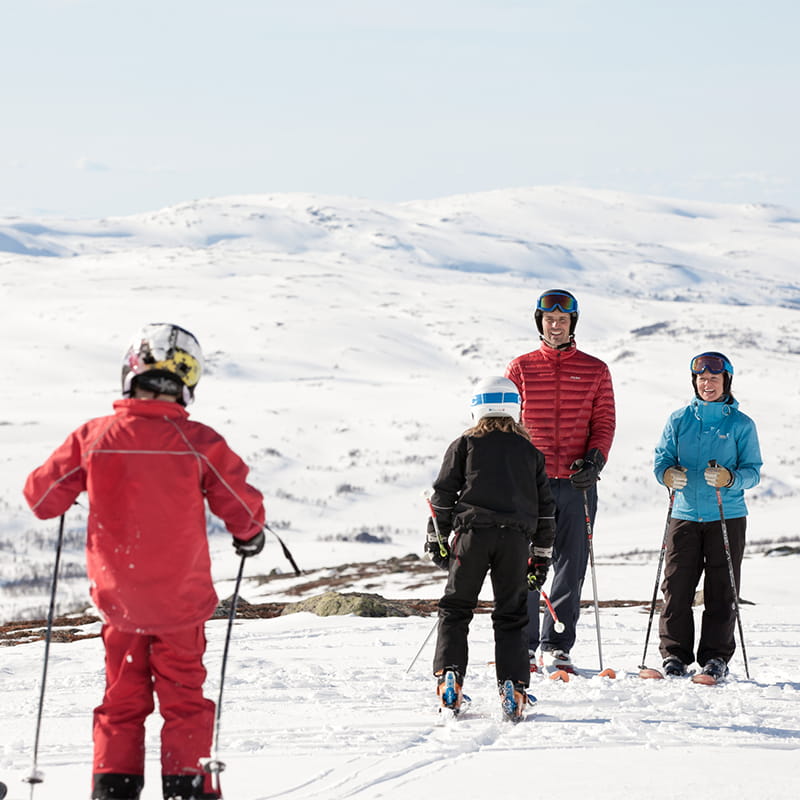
[(691, 438)]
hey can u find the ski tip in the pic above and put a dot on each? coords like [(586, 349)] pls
[(560, 675), (648, 672), (608, 673), (704, 680), (3, 790)]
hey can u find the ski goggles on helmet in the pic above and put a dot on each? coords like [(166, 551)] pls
[(492, 398), (715, 363), (557, 301)]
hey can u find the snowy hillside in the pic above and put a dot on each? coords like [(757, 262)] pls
[(342, 339)]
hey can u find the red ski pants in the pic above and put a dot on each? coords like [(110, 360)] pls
[(137, 665)]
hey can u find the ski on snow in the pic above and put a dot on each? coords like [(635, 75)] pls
[(700, 678), (565, 673)]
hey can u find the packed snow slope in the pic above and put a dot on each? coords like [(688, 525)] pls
[(343, 338)]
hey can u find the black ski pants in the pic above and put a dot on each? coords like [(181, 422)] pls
[(570, 557), (504, 553), (694, 549)]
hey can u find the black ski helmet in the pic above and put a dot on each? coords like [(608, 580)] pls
[(715, 363), (556, 299)]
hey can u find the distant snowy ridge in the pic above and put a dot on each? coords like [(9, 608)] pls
[(342, 338), (620, 244)]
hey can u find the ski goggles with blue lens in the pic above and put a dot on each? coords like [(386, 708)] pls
[(561, 301), (715, 363), (495, 398)]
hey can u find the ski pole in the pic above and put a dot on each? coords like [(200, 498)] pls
[(727, 544), (658, 578), (36, 775), (558, 625), (213, 764), (422, 646), (594, 576), (443, 552), (285, 549)]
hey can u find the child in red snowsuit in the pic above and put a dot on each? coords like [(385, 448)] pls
[(149, 472)]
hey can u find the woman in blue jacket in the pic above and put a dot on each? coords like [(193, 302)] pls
[(710, 429)]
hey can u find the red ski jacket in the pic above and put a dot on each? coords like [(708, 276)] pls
[(567, 404), (148, 471)]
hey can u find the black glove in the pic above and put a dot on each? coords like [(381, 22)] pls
[(252, 547), (589, 468), (537, 572), (434, 548)]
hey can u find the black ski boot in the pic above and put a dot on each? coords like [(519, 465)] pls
[(186, 787), (116, 786), (673, 667)]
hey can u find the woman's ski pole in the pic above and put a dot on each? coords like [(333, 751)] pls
[(727, 544), (643, 665), (36, 776)]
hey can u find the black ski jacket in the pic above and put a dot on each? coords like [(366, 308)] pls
[(497, 479)]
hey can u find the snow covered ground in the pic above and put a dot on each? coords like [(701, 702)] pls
[(343, 338)]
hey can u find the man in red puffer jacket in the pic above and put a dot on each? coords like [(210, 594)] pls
[(568, 409), (149, 472)]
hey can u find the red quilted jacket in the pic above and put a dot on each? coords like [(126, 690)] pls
[(149, 471), (567, 404)]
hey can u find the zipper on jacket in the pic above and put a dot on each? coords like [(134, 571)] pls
[(557, 438)]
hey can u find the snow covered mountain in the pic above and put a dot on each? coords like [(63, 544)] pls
[(342, 339)]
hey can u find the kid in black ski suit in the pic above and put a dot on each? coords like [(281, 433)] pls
[(493, 493)]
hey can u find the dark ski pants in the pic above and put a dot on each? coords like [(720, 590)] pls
[(692, 549), (137, 665), (504, 552), (570, 557)]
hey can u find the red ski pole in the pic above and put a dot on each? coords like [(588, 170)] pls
[(558, 625)]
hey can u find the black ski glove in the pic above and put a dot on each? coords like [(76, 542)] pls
[(252, 547), (589, 468), (537, 572), (438, 552)]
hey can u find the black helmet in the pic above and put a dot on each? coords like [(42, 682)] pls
[(557, 300)]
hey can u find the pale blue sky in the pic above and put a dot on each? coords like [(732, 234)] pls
[(117, 106)]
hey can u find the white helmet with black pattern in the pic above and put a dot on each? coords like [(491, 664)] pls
[(165, 359)]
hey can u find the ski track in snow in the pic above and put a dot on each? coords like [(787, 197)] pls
[(325, 708)]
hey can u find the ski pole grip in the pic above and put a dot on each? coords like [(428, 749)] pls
[(442, 549), (712, 462)]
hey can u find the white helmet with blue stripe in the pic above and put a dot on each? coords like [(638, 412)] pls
[(495, 397)]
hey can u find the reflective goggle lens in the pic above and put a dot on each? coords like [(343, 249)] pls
[(557, 300), (494, 398), (714, 364)]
